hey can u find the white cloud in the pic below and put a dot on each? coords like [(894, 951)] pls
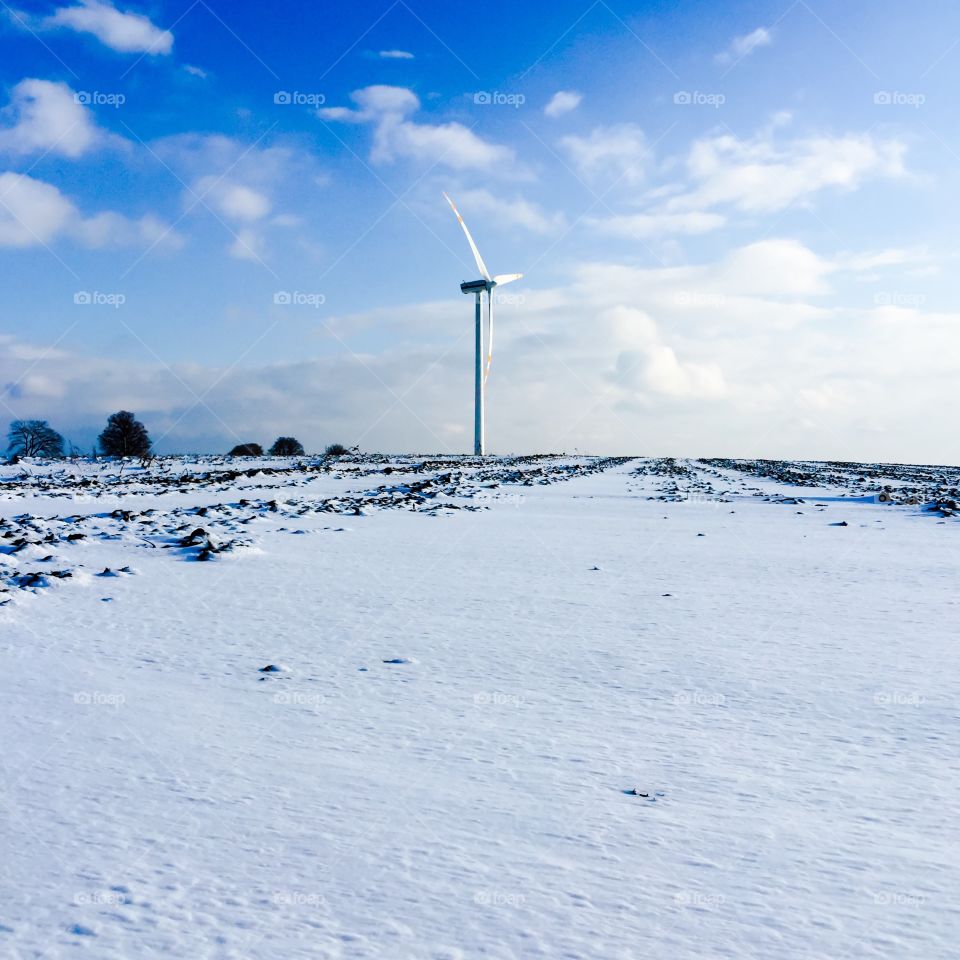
[(758, 176), (563, 101), (33, 212), (123, 32), (450, 144), (395, 55), (48, 117), (741, 47), (397, 137), (618, 152), (381, 98), (649, 365), (233, 200), (777, 268), (341, 115), (111, 229)]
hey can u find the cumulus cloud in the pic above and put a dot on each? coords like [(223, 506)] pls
[(396, 136), (233, 200), (727, 175), (617, 153), (110, 230), (646, 364), (563, 101), (121, 31), (762, 176), (33, 213), (741, 47), (47, 117)]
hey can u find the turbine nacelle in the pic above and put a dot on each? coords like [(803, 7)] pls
[(475, 286)]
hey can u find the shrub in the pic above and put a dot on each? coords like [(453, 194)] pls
[(336, 450), (33, 438), (124, 436), (286, 447), (247, 450)]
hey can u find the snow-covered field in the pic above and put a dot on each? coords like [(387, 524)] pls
[(539, 707)]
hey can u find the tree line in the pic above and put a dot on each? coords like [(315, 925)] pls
[(125, 436)]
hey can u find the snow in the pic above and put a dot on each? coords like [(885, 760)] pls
[(519, 713)]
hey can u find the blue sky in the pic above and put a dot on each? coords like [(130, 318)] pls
[(735, 224)]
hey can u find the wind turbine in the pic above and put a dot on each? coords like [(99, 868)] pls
[(479, 288)]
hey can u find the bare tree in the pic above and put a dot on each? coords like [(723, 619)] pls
[(33, 438)]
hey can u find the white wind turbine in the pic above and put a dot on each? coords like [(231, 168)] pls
[(479, 288)]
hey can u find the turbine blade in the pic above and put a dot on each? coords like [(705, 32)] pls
[(476, 253), (503, 278)]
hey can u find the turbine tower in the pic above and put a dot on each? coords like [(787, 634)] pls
[(483, 291)]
